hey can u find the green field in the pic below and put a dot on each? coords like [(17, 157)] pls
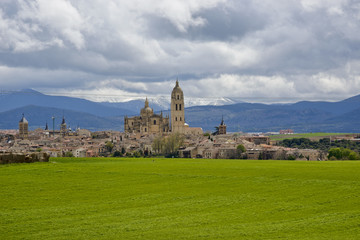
[(313, 136), (107, 198)]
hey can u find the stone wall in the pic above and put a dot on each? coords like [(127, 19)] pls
[(23, 157)]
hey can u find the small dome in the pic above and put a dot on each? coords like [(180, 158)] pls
[(148, 110)]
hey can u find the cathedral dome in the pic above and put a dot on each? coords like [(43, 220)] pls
[(146, 109)]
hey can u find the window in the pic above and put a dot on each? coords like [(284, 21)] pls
[(180, 107), (132, 123), (176, 108), (178, 97), (180, 119), (175, 118), (145, 129), (154, 122)]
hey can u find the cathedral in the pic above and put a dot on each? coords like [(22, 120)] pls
[(147, 122), (150, 123)]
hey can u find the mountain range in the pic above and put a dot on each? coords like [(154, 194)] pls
[(305, 116)]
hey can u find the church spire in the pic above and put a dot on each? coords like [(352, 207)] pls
[(222, 120), (146, 103)]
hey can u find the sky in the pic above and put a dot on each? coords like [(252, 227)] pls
[(116, 50)]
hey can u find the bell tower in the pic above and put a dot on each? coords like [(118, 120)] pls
[(23, 127), (177, 109)]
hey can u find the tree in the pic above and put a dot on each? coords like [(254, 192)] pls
[(69, 154), (172, 144), (136, 154), (117, 154), (335, 152), (216, 131), (291, 157), (241, 148), (109, 146), (342, 154), (354, 156), (168, 146), (157, 144)]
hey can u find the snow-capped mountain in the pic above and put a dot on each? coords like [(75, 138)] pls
[(164, 102)]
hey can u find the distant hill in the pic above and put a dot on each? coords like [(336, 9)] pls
[(306, 116), (26, 97), (340, 116), (133, 106), (163, 103), (39, 116)]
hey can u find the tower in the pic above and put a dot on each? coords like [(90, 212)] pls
[(222, 127), (177, 109), (23, 127), (63, 128)]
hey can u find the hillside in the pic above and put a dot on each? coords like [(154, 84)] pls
[(26, 97), (342, 116), (39, 116), (133, 106), (302, 116)]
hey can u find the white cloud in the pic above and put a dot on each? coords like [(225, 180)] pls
[(59, 17), (251, 48), (331, 6)]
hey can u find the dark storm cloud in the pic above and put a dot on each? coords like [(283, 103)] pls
[(227, 23)]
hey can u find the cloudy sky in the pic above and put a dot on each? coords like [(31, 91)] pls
[(254, 50)]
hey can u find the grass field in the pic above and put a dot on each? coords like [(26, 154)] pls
[(312, 136), (107, 198)]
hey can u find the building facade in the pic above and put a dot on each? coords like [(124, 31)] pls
[(23, 128), (150, 123), (222, 127), (177, 109), (147, 122), (63, 127)]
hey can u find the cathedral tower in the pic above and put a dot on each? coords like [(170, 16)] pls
[(63, 128), (23, 127), (222, 127), (177, 109)]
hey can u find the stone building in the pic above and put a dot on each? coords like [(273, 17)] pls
[(63, 128), (222, 127), (177, 109), (147, 122), (23, 128), (150, 123)]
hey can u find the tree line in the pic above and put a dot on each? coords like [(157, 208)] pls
[(337, 150)]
